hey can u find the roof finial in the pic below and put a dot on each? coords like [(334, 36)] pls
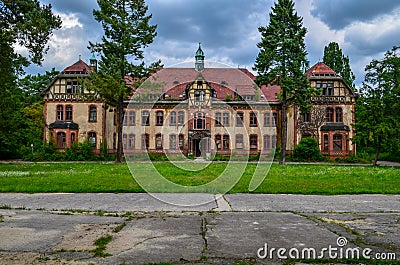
[(80, 57)]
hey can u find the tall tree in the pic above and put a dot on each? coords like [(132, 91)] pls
[(377, 109), (126, 33), (28, 24), (282, 59), (335, 59)]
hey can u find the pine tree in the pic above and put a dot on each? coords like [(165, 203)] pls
[(334, 58), (282, 59), (377, 119), (126, 33)]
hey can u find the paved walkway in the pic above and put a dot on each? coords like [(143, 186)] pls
[(62, 228)]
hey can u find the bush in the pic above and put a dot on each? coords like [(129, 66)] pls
[(307, 150)]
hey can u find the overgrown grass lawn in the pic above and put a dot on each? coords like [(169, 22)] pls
[(292, 179)]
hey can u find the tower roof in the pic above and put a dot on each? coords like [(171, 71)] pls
[(320, 69), (80, 67), (199, 51)]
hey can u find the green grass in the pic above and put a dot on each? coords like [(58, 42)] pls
[(114, 178)]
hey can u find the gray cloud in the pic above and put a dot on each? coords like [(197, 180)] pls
[(338, 14)]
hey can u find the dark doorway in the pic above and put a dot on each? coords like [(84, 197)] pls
[(196, 147)]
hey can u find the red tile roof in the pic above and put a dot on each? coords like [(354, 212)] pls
[(320, 69), (78, 67)]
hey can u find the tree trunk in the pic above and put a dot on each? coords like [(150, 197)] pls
[(284, 130), (120, 121), (378, 150)]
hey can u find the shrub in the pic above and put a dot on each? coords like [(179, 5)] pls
[(307, 150)]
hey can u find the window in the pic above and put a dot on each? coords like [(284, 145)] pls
[(274, 119), (72, 138), (267, 119), (159, 144), (159, 118), (239, 141), (172, 142), (93, 114), (253, 142), (218, 142), (225, 119), (172, 118), (199, 121), (337, 142), (68, 113), (239, 119), (339, 115), (267, 142), (131, 118), (60, 112), (124, 141), (225, 142), (327, 88), (92, 139), (125, 119), (181, 118), (181, 141), (329, 115), (145, 118), (145, 141), (306, 117), (326, 142), (199, 96), (61, 140), (253, 119), (131, 142), (218, 119), (274, 140), (73, 87)]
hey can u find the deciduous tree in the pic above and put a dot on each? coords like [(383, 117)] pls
[(377, 109), (282, 59)]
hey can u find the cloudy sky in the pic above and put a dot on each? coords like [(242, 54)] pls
[(228, 30)]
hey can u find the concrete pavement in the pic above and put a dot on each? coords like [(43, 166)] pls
[(63, 228)]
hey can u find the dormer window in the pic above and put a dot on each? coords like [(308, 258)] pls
[(327, 89), (199, 96)]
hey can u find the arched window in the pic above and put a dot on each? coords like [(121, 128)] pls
[(72, 138), (181, 118), (253, 142), (225, 142), (339, 114), (145, 118), (326, 142), (159, 143), (218, 143), (172, 142), (253, 119), (159, 118), (68, 113), (181, 141), (267, 142), (218, 119), (172, 118), (225, 119), (92, 114), (329, 115), (337, 142), (239, 141), (199, 121), (267, 119), (239, 119), (145, 141), (60, 112), (61, 140), (92, 138), (131, 142)]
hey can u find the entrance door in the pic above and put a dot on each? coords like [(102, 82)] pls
[(201, 147), (196, 148)]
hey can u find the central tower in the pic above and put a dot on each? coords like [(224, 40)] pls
[(199, 64)]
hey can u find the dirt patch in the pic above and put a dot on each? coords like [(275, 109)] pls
[(84, 236), (14, 258)]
